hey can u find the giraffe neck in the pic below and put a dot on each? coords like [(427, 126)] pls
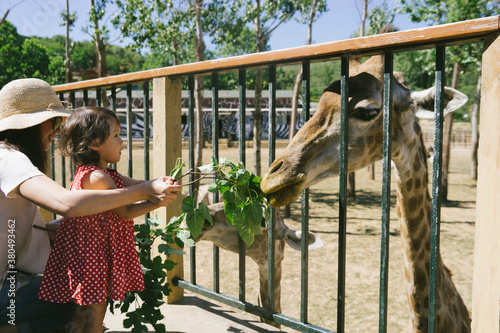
[(414, 213)]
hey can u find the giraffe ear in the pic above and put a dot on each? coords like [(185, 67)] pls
[(424, 101), (293, 238)]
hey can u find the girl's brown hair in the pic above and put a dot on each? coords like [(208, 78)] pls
[(29, 142), (85, 127)]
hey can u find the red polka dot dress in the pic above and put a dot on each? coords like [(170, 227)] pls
[(93, 256)]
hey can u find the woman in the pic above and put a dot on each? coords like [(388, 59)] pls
[(30, 117)]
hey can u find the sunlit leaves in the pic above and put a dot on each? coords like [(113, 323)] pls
[(243, 199)]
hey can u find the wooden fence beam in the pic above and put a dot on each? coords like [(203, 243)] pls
[(167, 147), (486, 276)]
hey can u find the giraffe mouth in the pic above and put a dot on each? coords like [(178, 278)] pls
[(282, 195)]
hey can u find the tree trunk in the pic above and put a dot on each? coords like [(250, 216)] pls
[(447, 134), (363, 18), (4, 16), (257, 115), (200, 56), (69, 72), (475, 132), (100, 46)]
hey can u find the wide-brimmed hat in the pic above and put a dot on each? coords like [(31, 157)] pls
[(28, 102)]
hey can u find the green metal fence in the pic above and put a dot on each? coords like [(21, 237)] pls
[(435, 37)]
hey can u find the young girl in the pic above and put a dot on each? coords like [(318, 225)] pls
[(94, 256)]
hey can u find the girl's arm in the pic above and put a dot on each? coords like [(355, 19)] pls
[(127, 181), (46, 193), (99, 180)]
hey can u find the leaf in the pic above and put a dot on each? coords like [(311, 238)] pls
[(246, 235), (188, 204), (185, 237), (224, 160), (205, 212), (179, 164), (212, 188), (176, 220), (207, 168), (195, 221)]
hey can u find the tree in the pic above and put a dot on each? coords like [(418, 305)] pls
[(69, 21), (439, 12), (22, 57), (172, 26), (243, 27), (100, 36)]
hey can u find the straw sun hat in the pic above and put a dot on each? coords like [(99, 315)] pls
[(28, 102)]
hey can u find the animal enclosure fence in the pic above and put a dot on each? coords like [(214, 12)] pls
[(167, 145)]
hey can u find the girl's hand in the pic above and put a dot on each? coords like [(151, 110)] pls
[(173, 190), (164, 191)]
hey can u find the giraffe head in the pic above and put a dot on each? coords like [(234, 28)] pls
[(226, 236), (313, 154)]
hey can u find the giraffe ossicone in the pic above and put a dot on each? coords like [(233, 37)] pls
[(313, 155)]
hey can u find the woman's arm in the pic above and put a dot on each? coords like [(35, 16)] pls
[(46, 193), (99, 180)]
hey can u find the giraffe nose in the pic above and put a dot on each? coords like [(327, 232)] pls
[(275, 166)]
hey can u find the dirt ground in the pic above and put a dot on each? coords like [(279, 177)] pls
[(363, 252)]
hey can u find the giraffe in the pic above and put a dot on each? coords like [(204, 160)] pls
[(226, 237), (313, 155)]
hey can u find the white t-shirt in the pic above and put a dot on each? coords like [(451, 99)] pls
[(17, 215)]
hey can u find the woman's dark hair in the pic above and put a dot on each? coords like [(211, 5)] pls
[(29, 142), (85, 127)]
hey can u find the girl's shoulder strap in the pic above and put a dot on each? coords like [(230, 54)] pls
[(81, 172)]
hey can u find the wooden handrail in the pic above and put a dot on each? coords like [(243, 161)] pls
[(448, 34)]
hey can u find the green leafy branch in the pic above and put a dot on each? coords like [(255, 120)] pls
[(154, 270), (244, 201)]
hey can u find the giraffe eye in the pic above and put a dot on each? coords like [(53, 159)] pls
[(365, 114)]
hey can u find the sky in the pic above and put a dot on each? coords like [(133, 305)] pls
[(42, 18)]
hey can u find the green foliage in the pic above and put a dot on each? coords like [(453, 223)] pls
[(154, 269), (166, 27), (21, 57), (244, 201), (379, 17)]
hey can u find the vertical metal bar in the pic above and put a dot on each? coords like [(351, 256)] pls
[(272, 156), (242, 117), (192, 252), (63, 159), (304, 260), (436, 183), (85, 98), (98, 97), (386, 194), (72, 167), (52, 169), (145, 133), (113, 107), (344, 92), (129, 131), (215, 153)]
